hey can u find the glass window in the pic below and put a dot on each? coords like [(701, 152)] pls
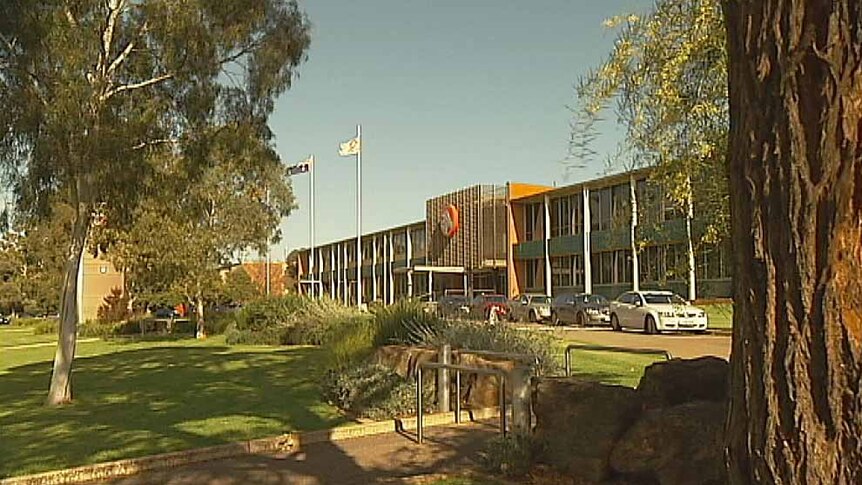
[(561, 216), (621, 202), (577, 213), (399, 244), (623, 263), (417, 243), (561, 271), (578, 270), (606, 210)]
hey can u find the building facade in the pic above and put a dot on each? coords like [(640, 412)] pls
[(603, 236)]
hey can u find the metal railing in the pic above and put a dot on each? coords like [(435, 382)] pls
[(603, 348), (458, 370)]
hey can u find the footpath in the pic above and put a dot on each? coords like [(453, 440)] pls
[(383, 458)]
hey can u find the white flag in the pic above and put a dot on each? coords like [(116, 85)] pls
[(350, 147)]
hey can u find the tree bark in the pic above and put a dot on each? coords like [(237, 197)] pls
[(795, 170), (200, 331), (60, 390)]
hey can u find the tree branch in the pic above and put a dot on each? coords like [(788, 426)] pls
[(115, 8), (159, 141), (133, 86), (125, 53)]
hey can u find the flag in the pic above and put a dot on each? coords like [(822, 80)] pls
[(301, 167), (350, 147)]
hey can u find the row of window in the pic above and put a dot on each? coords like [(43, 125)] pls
[(610, 208), (655, 264), (399, 249)]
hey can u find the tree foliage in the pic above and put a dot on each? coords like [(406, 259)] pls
[(106, 102), (667, 79)]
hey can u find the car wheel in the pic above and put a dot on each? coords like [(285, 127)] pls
[(649, 325), (582, 319), (615, 323), (555, 319)]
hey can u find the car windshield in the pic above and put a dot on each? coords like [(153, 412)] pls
[(540, 299), (663, 299), (600, 300)]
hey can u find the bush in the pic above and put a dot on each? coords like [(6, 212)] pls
[(511, 455), (496, 338), (267, 336), (270, 312), (217, 322), (349, 342), (115, 307), (32, 321), (104, 329), (43, 326), (394, 322), (375, 392)]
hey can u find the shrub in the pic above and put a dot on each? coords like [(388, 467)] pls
[(317, 319), (511, 455), (349, 342), (269, 312), (394, 322), (115, 307), (32, 321), (497, 338), (375, 392), (216, 323), (43, 326)]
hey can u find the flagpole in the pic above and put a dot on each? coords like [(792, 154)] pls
[(359, 218), (311, 228)]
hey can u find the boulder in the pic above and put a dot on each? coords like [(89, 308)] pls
[(578, 422), (680, 381), (678, 445), (481, 390), (403, 360)]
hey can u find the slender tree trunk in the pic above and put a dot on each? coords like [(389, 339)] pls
[(60, 390), (200, 331), (795, 168)]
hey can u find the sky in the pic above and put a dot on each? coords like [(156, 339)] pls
[(449, 93)]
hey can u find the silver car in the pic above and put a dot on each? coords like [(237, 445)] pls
[(530, 307)]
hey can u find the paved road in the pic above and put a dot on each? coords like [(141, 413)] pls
[(679, 345), (373, 459)]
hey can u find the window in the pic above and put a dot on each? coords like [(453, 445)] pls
[(532, 273), (367, 249), (561, 216), (399, 244), (533, 225), (578, 270), (381, 249), (621, 206), (561, 271), (601, 209), (577, 202), (623, 264), (713, 262), (417, 242), (612, 267)]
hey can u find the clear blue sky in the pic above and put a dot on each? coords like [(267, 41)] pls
[(449, 93)]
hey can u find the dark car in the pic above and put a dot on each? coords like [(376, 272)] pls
[(481, 306), (582, 309), (165, 312), (453, 306)]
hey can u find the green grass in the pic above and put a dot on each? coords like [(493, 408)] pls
[(13, 336), (720, 315), (608, 367), (135, 398)]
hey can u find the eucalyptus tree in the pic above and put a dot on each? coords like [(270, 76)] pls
[(100, 97)]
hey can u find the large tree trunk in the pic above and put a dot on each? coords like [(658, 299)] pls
[(60, 391), (795, 168)]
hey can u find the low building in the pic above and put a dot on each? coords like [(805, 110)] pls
[(522, 238)]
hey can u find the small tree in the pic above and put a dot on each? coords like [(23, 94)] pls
[(100, 96), (238, 287)]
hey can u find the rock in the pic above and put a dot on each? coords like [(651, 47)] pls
[(404, 360), (680, 381), (481, 390), (578, 422), (678, 445)]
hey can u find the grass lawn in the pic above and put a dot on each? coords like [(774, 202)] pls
[(720, 315), (135, 398), (608, 367)]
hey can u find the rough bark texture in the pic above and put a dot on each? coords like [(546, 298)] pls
[(60, 390), (795, 167), (200, 331)]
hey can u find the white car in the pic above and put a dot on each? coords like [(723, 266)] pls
[(656, 311)]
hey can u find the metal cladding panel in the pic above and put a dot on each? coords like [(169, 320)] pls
[(561, 246), (482, 229), (530, 250)]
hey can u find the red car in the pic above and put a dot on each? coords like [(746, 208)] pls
[(482, 304)]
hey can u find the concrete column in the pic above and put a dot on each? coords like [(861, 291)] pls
[(389, 275), (588, 267), (409, 258), (445, 357), (374, 268), (634, 225), (692, 284), (521, 407), (547, 230), (431, 283), (346, 275)]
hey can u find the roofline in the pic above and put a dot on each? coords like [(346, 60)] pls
[(590, 184)]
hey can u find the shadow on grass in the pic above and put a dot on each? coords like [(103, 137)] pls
[(145, 401)]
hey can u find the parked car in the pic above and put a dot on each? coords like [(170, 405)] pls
[(531, 307), (453, 306), (656, 311), (480, 308), (4, 320), (165, 312), (581, 309)]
